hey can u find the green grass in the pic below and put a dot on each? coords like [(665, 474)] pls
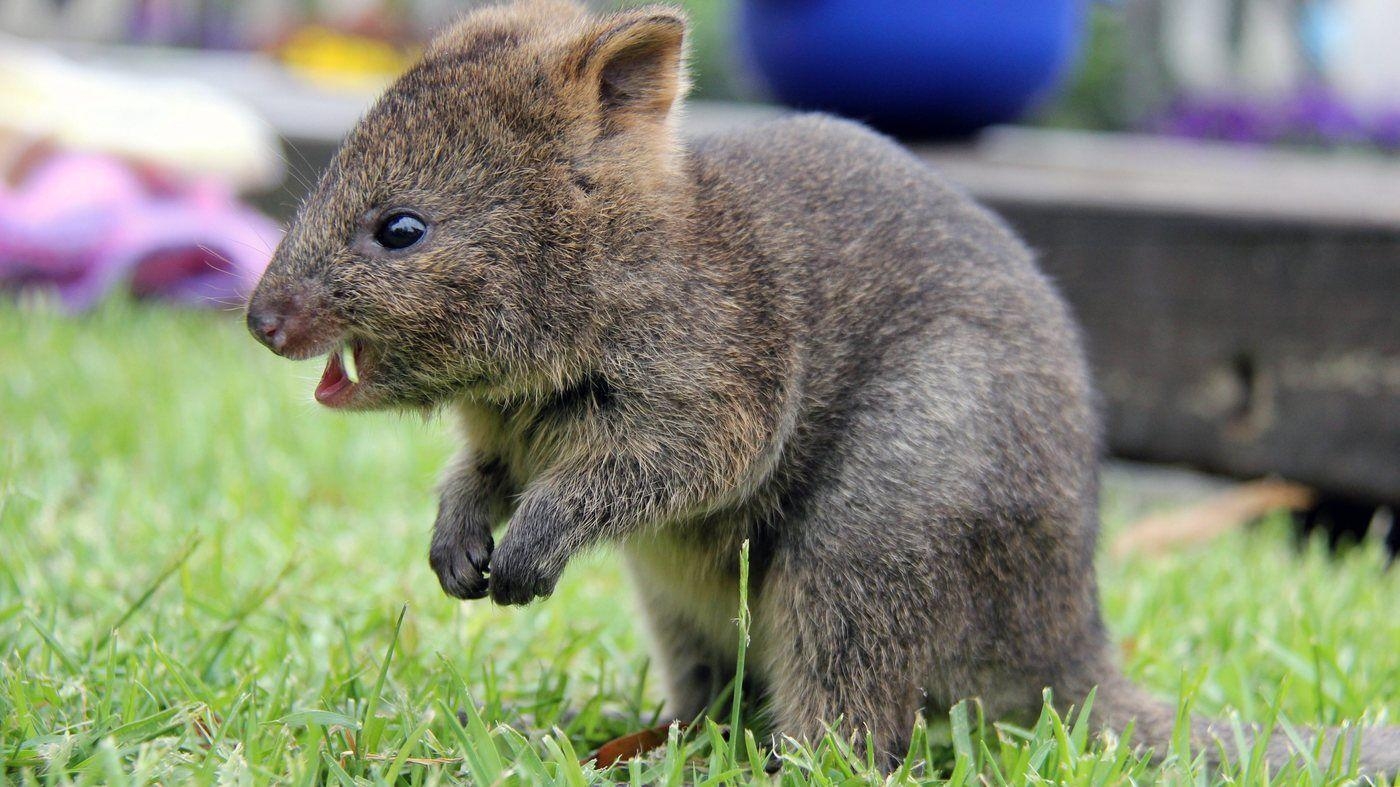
[(204, 577)]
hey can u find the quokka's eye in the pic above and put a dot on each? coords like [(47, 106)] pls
[(399, 231)]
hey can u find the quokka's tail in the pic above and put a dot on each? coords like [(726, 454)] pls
[(1118, 702)]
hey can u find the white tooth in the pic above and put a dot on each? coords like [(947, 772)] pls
[(347, 361)]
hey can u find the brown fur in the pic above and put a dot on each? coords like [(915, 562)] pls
[(795, 335)]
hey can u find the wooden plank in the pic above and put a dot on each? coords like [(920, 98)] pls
[(1240, 346), (1174, 176)]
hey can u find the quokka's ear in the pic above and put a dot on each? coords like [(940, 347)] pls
[(634, 63)]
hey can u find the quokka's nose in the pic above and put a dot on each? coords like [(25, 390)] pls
[(269, 327), (291, 321)]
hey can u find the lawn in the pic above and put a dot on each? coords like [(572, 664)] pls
[(205, 577)]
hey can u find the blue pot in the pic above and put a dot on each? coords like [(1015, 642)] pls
[(912, 67)]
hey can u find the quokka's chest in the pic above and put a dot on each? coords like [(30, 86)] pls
[(527, 438)]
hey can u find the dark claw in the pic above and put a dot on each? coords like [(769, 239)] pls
[(460, 580), (461, 569), (480, 555), (468, 586)]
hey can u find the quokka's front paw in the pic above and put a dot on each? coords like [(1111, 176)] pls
[(461, 562), (523, 570)]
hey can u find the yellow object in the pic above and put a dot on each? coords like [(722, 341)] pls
[(339, 61)]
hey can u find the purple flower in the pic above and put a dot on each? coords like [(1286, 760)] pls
[(1317, 115), (1229, 119), (1385, 130), (1313, 115)]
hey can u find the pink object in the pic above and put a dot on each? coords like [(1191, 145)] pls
[(84, 224)]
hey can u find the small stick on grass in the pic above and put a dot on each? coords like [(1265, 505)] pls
[(1161, 534)]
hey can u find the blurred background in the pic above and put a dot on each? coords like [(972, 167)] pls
[(1214, 184)]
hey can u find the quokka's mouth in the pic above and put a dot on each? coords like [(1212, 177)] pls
[(341, 380)]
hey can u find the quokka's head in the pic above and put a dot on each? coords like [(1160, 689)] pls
[(465, 235)]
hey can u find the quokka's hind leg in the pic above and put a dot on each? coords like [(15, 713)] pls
[(843, 643), (691, 666)]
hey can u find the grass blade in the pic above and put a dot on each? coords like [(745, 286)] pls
[(743, 622), (166, 573), (369, 735)]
